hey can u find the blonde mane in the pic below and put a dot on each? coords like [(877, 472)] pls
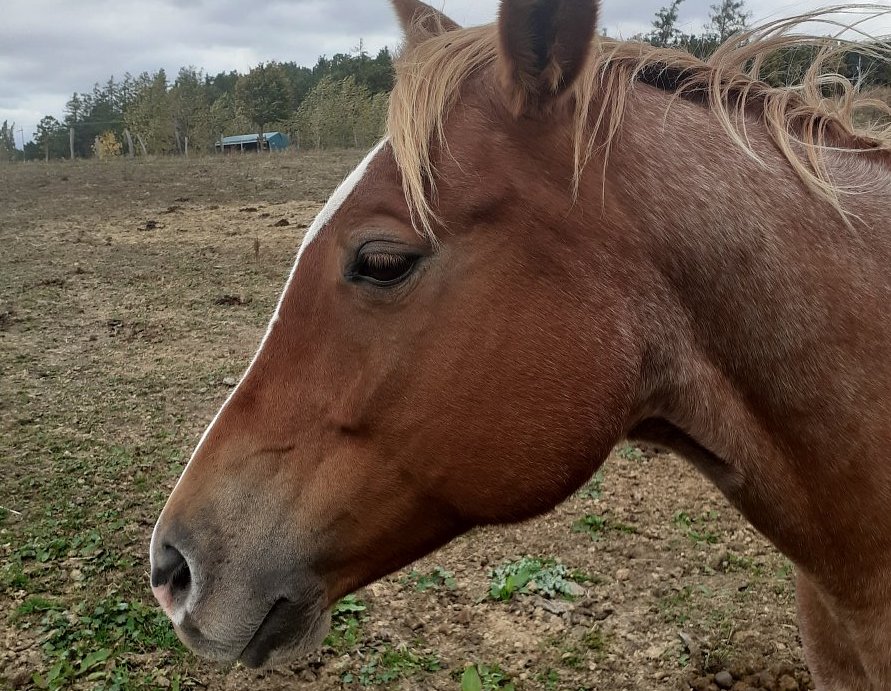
[(803, 120)]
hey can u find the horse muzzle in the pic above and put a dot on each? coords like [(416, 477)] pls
[(239, 602)]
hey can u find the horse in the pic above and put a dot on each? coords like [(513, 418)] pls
[(563, 241)]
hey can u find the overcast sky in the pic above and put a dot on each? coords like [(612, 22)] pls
[(51, 48)]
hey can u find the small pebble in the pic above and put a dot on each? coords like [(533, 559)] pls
[(724, 679)]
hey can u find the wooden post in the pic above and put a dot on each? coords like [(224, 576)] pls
[(130, 152), (187, 145), (71, 141), (222, 148)]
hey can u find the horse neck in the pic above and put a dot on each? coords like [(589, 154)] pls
[(763, 314)]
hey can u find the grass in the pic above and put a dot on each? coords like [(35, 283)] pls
[(594, 487), (385, 664), (436, 579), (90, 641), (596, 526), (629, 452), (696, 528)]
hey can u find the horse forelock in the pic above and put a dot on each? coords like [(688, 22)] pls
[(803, 122)]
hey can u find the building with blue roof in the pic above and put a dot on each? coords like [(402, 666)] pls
[(270, 141)]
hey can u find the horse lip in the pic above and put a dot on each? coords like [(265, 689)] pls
[(279, 630)]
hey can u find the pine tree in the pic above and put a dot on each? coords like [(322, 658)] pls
[(51, 138), (665, 32), (727, 18)]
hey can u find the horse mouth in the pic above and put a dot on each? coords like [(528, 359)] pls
[(289, 629)]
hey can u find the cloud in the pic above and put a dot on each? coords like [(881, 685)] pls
[(48, 49)]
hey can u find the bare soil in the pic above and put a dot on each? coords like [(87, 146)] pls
[(132, 295)]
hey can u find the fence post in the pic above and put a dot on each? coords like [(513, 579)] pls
[(130, 152)]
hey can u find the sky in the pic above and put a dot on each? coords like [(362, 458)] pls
[(51, 48)]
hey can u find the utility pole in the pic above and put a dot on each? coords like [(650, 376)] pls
[(22, 132), (71, 141)]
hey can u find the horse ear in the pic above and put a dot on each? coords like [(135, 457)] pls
[(544, 46), (420, 21)]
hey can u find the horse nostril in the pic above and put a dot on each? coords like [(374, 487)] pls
[(171, 569)]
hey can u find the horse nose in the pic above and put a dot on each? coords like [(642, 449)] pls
[(171, 576)]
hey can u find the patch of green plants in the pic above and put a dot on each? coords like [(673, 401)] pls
[(33, 605), (696, 528), (486, 678), (730, 563), (546, 577), (575, 651), (13, 577), (388, 664), (438, 578), (594, 487), (79, 642), (629, 452), (595, 641), (347, 618), (676, 606), (596, 526), (549, 679)]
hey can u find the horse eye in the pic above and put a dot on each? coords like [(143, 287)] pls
[(383, 268)]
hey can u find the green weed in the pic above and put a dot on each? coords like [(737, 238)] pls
[(78, 642), (347, 618), (436, 579), (550, 579), (387, 664), (594, 488), (629, 452), (596, 526), (486, 678), (693, 527)]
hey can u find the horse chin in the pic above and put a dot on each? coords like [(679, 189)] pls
[(289, 630), (280, 632)]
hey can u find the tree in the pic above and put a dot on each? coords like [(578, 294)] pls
[(340, 114), (51, 138), (8, 151), (727, 18), (148, 115), (263, 95), (665, 32), (189, 107)]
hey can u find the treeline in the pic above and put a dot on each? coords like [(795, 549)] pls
[(784, 68), (340, 102)]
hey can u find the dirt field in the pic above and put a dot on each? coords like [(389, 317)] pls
[(132, 295)]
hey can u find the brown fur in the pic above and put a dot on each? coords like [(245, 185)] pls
[(699, 291)]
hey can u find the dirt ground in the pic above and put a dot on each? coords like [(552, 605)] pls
[(132, 295)]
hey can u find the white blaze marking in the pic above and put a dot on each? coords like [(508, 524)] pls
[(341, 194)]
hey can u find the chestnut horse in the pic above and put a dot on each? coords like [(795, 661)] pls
[(564, 241)]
